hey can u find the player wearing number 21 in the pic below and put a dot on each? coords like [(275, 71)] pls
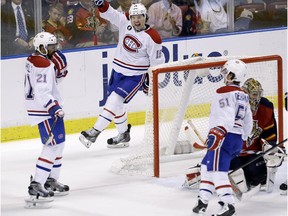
[(44, 69), (139, 48), (230, 123)]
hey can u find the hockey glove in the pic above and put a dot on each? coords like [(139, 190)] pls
[(54, 109), (275, 157), (98, 3), (215, 137), (60, 62), (145, 85)]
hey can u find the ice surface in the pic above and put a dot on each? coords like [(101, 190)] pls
[(97, 191)]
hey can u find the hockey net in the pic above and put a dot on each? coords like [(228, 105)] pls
[(180, 93)]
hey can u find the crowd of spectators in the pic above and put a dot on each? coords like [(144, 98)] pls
[(77, 23)]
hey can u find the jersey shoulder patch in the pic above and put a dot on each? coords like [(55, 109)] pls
[(226, 89), (154, 35), (39, 61)]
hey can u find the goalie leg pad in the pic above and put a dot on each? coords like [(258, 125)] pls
[(193, 177), (270, 180), (240, 180)]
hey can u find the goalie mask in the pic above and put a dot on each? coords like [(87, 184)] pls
[(45, 39), (255, 91), (234, 71)]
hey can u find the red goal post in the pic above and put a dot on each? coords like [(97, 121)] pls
[(182, 91)]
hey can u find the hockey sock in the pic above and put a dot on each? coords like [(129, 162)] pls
[(113, 105)]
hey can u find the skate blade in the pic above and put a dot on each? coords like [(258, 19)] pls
[(84, 141), (37, 206), (197, 214), (59, 194), (119, 145), (40, 203)]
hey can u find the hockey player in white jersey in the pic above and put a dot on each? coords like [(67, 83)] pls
[(230, 123), (139, 48), (44, 69)]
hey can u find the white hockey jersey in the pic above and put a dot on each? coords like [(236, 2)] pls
[(136, 51), (231, 109), (40, 86)]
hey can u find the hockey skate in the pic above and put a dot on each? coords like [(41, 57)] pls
[(200, 207), (89, 136), (226, 210), (56, 187), (39, 196), (121, 140)]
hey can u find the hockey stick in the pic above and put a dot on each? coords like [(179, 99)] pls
[(196, 145), (51, 135), (260, 155)]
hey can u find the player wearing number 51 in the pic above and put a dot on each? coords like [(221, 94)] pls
[(139, 48), (44, 69), (230, 123)]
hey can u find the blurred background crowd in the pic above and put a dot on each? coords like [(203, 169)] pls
[(78, 24)]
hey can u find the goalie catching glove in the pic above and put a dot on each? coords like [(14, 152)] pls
[(215, 137), (54, 109), (275, 157)]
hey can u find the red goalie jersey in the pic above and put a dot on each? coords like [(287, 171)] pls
[(264, 126)]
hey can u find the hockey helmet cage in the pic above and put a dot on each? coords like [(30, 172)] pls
[(44, 39), (255, 91), (137, 9), (237, 67)]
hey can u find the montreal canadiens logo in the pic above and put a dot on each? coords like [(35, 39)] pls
[(131, 44)]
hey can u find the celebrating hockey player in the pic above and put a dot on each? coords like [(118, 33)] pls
[(139, 47), (44, 69), (230, 123)]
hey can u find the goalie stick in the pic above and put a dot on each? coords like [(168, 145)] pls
[(50, 135), (260, 155)]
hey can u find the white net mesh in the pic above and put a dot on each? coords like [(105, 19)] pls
[(182, 96)]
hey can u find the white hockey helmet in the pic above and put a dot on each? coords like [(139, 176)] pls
[(44, 39), (237, 67), (137, 9)]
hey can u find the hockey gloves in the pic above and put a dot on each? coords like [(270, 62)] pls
[(60, 63), (54, 109), (145, 85), (215, 137), (98, 3), (274, 157)]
